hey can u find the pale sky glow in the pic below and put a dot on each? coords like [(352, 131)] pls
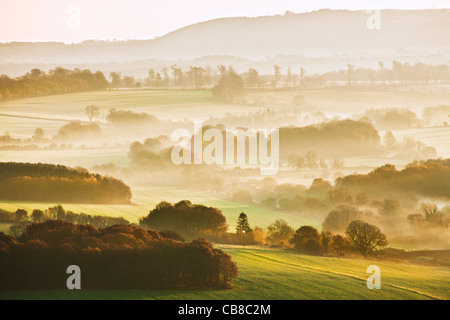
[(49, 20)]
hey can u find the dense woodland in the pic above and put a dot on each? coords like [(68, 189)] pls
[(50, 183), (425, 178), (334, 139), (57, 81), (185, 218), (117, 257), (76, 131)]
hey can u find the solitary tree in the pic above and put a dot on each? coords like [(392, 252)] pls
[(38, 134), (339, 218), (389, 141), (390, 208), (381, 64), (57, 212), (35, 73), (92, 112), (326, 240), (21, 215), (37, 216), (116, 79), (276, 70), (165, 72), (243, 226), (432, 214), (302, 76), (366, 238), (289, 76), (252, 78), (129, 81), (351, 68), (230, 86), (151, 77), (340, 244), (279, 232), (307, 239)]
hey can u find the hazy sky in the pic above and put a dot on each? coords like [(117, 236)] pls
[(78, 20)]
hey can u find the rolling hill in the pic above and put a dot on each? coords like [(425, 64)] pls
[(280, 274), (322, 32)]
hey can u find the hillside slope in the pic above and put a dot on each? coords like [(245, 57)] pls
[(277, 274), (323, 32)]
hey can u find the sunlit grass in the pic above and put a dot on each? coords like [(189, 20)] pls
[(279, 274), (145, 199)]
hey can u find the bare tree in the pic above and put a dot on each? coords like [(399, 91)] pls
[(351, 68), (165, 72), (92, 112), (277, 74), (302, 76)]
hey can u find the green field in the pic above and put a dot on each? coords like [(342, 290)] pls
[(52, 112), (278, 274), (145, 199), (264, 273)]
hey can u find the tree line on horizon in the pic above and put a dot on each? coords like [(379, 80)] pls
[(225, 81), (58, 81), (197, 77)]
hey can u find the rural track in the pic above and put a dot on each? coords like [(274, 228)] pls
[(426, 294)]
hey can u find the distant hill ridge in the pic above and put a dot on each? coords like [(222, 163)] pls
[(322, 32)]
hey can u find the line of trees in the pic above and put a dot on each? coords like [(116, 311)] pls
[(357, 236), (127, 118), (51, 183), (426, 178), (405, 73), (205, 77), (60, 80), (117, 257), (195, 77), (21, 218), (360, 236), (57, 81)]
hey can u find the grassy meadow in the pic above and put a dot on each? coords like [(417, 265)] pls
[(145, 199), (280, 274), (51, 112), (20, 118)]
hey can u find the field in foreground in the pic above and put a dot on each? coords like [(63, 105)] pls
[(277, 274)]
